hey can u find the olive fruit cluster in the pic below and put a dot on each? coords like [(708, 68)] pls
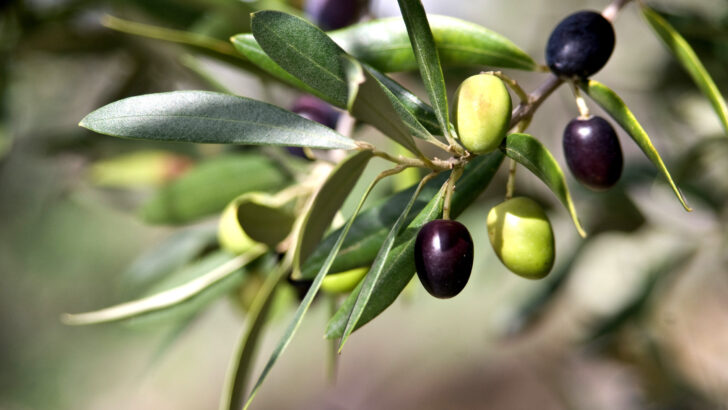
[(579, 46), (519, 232)]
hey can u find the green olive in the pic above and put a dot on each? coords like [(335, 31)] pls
[(521, 236), (482, 112), (230, 234), (343, 282)]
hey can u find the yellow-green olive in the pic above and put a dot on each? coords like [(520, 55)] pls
[(343, 282), (521, 236), (230, 234), (482, 112)]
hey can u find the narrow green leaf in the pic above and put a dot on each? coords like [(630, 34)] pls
[(529, 152), (167, 298), (263, 219), (173, 253), (369, 231), (690, 62), (327, 202), (424, 114), (399, 267), (249, 47), (354, 74), (233, 394), (210, 186), (374, 104), (423, 46), (372, 278), (207, 117), (303, 50), (400, 264), (613, 104), (384, 44), (306, 303), (246, 44)]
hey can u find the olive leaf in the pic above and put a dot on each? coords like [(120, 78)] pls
[(328, 199), (304, 51), (311, 56), (384, 44), (209, 272), (207, 117), (529, 152), (368, 231), (690, 62), (423, 46), (236, 379), (399, 266), (371, 102), (208, 187), (308, 299), (372, 278), (247, 45), (263, 218), (617, 109), (424, 114)]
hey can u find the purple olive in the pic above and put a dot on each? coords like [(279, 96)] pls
[(310, 107), (593, 153), (334, 14), (580, 45), (444, 257)]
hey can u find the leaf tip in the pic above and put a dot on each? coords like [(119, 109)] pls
[(69, 319)]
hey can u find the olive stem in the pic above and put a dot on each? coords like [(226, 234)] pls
[(580, 102), (434, 164), (454, 176), (525, 110), (511, 184), (513, 84)]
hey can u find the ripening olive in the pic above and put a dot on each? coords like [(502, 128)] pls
[(482, 112), (230, 234), (521, 236), (334, 14), (580, 45), (343, 282), (592, 151), (444, 257)]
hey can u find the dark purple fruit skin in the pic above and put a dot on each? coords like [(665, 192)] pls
[(333, 14), (593, 153), (580, 45), (444, 257), (314, 109)]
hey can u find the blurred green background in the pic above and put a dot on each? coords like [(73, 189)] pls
[(633, 317)]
